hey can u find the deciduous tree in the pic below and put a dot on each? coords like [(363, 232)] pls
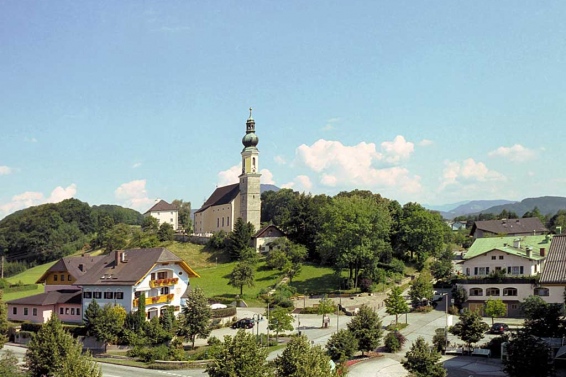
[(280, 319), (423, 361), (395, 303), (300, 359), (165, 232), (495, 308), (470, 328), (528, 356), (325, 306), (242, 274), (366, 328), (342, 345), (421, 288), (3, 321), (196, 316)]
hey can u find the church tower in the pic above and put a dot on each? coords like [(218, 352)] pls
[(250, 195)]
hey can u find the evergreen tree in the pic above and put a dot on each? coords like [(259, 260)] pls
[(242, 274), (54, 352), (239, 239), (196, 316), (300, 359), (423, 361), (366, 328), (91, 316), (342, 345), (470, 328), (395, 303), (240, 356)]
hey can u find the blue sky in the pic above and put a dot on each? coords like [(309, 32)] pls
[(434, 102)]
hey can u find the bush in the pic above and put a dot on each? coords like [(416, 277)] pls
[(439, 340), (423, 309), (21, 288), (397, 266), (453, 310), (494, 345), (394, 341), (218, 240), (365, 285), (33, 327), (221, 313)]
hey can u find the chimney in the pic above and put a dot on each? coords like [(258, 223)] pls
[(529, 251), (517, 243), (542, 252), (119, 257)]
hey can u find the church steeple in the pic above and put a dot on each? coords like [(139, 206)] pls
[(250, 139), (250, 196)]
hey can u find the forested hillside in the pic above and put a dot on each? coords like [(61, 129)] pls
[(47, 232)]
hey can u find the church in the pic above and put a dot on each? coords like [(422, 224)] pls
[(243, 199)]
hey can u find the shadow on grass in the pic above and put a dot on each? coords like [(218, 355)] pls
[(319, 285), (269, 277), (217, 255)]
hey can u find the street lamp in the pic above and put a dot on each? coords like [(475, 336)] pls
[(257, 318)]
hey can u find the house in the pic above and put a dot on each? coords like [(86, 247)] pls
[(553, 278), (265, 236), (509, 227), (457, 225), (164, 213), (243, 199), (118, 278), (122, 276), (503, 268)]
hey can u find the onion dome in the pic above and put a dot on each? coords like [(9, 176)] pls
[(250, 139)]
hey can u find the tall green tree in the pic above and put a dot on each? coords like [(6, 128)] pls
[(110, 324), (528, 356), (423, 361), (184, 213), (541, 318), (441, 268), (92, 314), (470, 328), (421, 288), (240, 238), (366, 328), (150, 225), (342, 345), (196, 316), (117, 238), (300, 359), (495, 308), (242, 274), (395, 303), (240, 356), (354, 233), (280, 319), (9, 365), (325, 306), (165, 232), (54, 352)]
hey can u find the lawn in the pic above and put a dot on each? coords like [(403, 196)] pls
[(29, 276)]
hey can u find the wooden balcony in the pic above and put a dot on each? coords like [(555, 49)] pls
[(163, 282), (153, 300)]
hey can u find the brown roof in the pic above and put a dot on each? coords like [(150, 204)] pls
[(269, 231), (554, 271), (138, 263), (222, 195), (162, 205), (50, 298), (71, 266), (527, 226)]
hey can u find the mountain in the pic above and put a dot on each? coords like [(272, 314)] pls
[(545, 204), (266, 187), (444, 207), (468, 207)]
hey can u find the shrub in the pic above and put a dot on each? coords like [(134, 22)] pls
[(453, 310), (423, 309), (394, 341), (439, 340), (494, 345), (365, 285), (397, 266)]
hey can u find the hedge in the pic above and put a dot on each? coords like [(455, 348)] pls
[(226, 312), (21, 288)]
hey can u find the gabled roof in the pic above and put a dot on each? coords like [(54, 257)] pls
[(554, 270), (526, 226), (138, 263), (269, 231), (71, 266), (505, 244), (222, 195), (162, 205), (50, 298)]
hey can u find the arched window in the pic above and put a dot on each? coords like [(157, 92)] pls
[(492, 292), (476, 292), (542, 292), (509, 291)]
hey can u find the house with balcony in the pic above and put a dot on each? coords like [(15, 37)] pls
[(122, 276), (505, 268)]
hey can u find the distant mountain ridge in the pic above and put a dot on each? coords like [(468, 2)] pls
[(545, 204)]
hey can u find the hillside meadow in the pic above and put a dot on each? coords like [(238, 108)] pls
[(214, 268)]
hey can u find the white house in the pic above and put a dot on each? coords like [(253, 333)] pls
[(164, 213)]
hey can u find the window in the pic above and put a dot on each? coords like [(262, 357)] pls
[(26, 311), (119, 295), (514, 306), (515, 270), (54, 277), (493, 257), (67, 311), (228, 221), (87, 294), (509, 292), (78, 311), (164, 291), (223, 221), (14, 310), (481, 270), (108, 295), (97, 294), (476, 292), (153, 276), (61, 311), (542, 292), (218, 223), (34, 312), (62, 277), (467, 271), (72, 311), (162, 275), (68, 277), (501, 257), (492, 292)]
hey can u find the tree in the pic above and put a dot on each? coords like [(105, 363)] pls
[(421, 288), (495, 308), (300, 359), (9, 365), (395, 303), (92, 314), (196, 316), (541, 318), (280, 319), (325, 306), (470, 328), (3, 320), (242, 274), (239, 239), (423, 361), (366, 328), (342, 345), (110, 324), (165, 232), (54, 352), (240, 356), (441, 268), (460, 296), (184, 213), (528, 356), (117, 237), (150, 225)]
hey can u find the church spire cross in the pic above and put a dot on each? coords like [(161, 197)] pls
[(250, 112)]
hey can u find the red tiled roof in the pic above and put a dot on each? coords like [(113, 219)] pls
[(162, 205), (222, 195)]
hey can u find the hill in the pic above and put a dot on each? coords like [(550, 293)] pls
[(545, 204), (47, 232), (450, 211)]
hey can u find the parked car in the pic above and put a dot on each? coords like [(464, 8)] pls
[(499, 328), (437, 296), (244, 323)]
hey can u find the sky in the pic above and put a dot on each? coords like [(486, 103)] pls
[(132, 101)]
